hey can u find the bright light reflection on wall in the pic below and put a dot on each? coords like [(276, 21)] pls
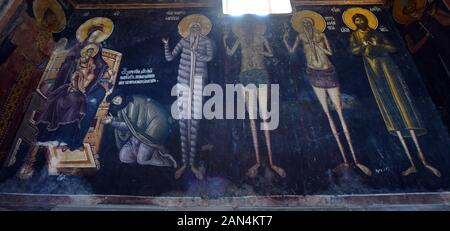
[(258, 7)]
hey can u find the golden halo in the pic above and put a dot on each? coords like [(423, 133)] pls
[(318, 20), (105, 23), (399, 5), (348, 14), (90, 46), (41, 6), (205, 24), (259, 28)]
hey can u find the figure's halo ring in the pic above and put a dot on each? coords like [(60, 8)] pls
[(347, 17), (106, 24), (318, 20), (205, 24)]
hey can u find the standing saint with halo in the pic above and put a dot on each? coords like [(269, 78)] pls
[(321, 74), (386, 81), (196, 51)]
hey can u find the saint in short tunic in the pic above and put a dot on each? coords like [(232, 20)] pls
[(320, 71)]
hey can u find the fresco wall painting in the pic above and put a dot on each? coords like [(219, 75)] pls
[(424, 25), (26, 49), (354, 114)]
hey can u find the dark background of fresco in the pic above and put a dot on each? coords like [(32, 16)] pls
[(303, 145)]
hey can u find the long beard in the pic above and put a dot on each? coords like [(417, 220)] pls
[(193, 38), (309, 33), (363, 26), (194, 34)]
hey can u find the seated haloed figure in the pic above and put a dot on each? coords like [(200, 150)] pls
[(68, 104), (85, 72), (141, 127), (73, 97), (79, 88)]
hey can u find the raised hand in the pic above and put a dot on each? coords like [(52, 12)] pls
[(365, 43)]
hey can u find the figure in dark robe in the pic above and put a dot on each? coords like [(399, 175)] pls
[(71, 107), (141, 128), (427, 36), (73, 100)]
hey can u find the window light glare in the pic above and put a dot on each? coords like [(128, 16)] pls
[(258, 7)]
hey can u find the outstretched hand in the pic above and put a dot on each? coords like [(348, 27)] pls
[(165, 40)]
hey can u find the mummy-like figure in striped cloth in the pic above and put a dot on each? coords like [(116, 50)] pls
[(196, 51)]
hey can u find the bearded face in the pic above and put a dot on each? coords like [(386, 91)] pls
[(50, 19), (411, 10), (308, 25), (361, 22), (195, 28)]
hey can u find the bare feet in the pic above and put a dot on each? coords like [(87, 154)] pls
[(433, 170), (180, 172), (409, 171), (341, 167), (253, 171), (363, 168), (197, 173), (25, 172), (278, 170)]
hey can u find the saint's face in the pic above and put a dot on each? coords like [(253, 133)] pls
[(196, 28), (416, 14), (94, 36), (247, 25), (90, 52), (50, 19), (117, 100), (361, 23), (308, 25), (411, 10)]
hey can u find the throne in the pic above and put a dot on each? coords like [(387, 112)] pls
[(69, 162)]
